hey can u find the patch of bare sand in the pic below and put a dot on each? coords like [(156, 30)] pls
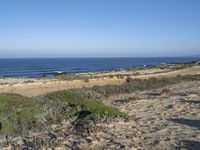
[(166, 121), (39, 88)]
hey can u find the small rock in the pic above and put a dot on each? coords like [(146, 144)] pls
[(89, 139), (52, 136)]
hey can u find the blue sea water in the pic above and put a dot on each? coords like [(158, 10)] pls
[(37, 67)]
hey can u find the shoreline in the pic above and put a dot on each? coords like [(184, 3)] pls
[(62, 72), (57, 73), (39, 86)]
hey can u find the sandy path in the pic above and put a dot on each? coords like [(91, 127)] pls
[(45, 86)]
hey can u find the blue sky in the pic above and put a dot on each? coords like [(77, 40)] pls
[(99, 28)]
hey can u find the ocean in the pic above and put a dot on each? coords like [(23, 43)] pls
[(38, 67)]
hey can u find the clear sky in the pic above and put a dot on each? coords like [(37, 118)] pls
[(99, 28)]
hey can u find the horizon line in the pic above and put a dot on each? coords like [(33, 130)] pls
[(99, 57)]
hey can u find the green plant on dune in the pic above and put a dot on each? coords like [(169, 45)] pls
[(10, 102), (19, 119), (86, 80), (6, 125), (16, 111), (19, 112), (69, 96), (25, 115), (77, 103)]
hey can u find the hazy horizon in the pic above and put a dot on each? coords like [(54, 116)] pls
[(96, 57), (106, 28)]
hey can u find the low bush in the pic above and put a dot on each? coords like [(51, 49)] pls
[(128, 79), (10, 102), (6, 126), (132, 85), (78, 103), (21, 113), (25, 115), (86, 80)]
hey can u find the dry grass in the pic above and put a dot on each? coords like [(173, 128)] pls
[(132, 85)]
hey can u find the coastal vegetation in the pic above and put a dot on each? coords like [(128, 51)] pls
[(132, 85), (16, 111), (19, 113)]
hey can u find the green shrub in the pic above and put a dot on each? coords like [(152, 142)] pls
[(25, 115), (100, 109), (96, 107), (68, 96), (86, 80), (6, 126), (9, 101), (19, 119), (19, 113), (16, 111)]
